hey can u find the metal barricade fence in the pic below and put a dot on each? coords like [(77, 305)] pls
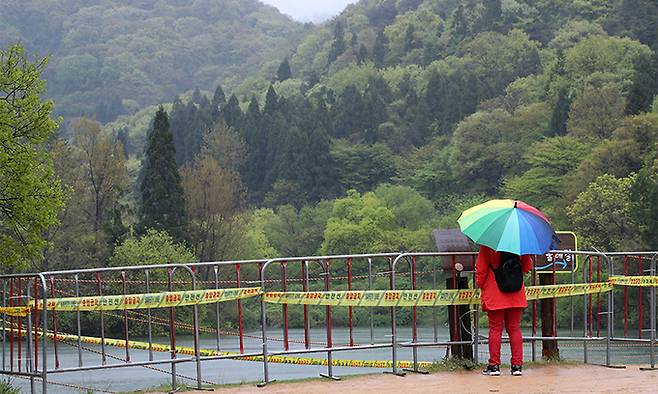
[(24, 364), (411, 259), (325, 264), (94, 281), (21, 353), (632, 264)]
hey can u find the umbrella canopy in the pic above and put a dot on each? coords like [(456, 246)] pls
[(510, 226)]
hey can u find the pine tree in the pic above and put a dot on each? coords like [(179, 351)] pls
[(338, 45), (256, 144), (162, 205), (323, 174), (459, 23), (284, 71), (178, 126), (558, 124), (232, 114), (645, 85), (379, 50), (490, 19), (362, 54), (218, 101), (271, 101)]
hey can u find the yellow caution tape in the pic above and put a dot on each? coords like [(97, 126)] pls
[(137, 301), (643, 281), (569, 290), (21, 311), (211, 353), (388, 298)]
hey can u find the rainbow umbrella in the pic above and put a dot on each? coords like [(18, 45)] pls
[(510, 226)]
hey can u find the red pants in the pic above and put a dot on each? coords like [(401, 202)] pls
[(512, 319)]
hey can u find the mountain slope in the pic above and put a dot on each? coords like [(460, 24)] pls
[(108, 57)]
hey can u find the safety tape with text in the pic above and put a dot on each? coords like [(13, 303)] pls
[(136, 301), (390, 298), (642, 281)]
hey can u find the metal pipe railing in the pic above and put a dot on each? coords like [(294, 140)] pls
[(15, 294)]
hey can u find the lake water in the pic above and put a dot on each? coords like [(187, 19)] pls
[(230, 371)]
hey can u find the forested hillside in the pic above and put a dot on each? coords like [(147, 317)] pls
[(112, 57)]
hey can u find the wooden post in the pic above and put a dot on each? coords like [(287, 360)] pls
[(549, 349)]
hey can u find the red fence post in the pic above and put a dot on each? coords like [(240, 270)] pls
[(125, 315), (237, 282), (349, 288), (307, 339), (11, 326), (285, 307), (626, 298), (414, 316), (639, 296), (52, 294), (36, 326), (327, 286), (20, 324), (598, 297)]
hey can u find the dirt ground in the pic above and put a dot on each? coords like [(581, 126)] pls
[(544, 379)]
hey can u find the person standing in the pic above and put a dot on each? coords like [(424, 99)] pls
[(499, 276)]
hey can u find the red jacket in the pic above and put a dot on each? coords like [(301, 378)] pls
[(492, 297)]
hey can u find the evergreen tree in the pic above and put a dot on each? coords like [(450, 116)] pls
[(375, 99), (256, 145), (271, 101), (218, 101), (323, 175), (162, 205), (122, 136), (178, 126), (645, 85), (284, 71), (362, 54), (459, 23), (338, 45), (196, 96), (201, 123), (409, 38), (348, 113), (379, 50), (558, 124), (491, 15), (232, 114)]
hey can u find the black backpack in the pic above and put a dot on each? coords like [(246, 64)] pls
[(509, 274)]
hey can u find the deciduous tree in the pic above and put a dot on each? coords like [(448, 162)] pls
[(30, 193)]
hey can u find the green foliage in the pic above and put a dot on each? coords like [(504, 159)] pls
[(6, 387), (298, 232), (162, 204), (154, 247), (362, 166), (644, 194), (598, 60), (595, 113), (361, 223), (543, 184), (30, 192), (602, 214)]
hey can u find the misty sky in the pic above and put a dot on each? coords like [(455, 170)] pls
[(310, 10)]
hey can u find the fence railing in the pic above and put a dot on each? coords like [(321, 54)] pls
[(49, 301)]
